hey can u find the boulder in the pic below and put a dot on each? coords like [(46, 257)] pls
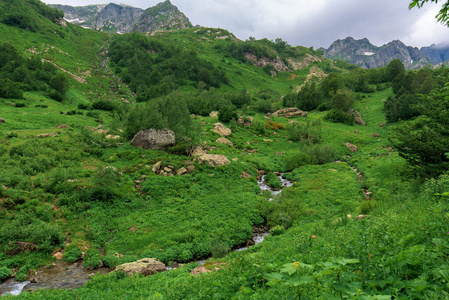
[(290, 112), (245, 175), (357, 117), (245, 121), (153, 139), (15, 248), (182, 171), (58, 255), (383, 124), (191, 169), (214, 114), (62, 126), (352, 147), (198, 152), (144, 266), (45, 135), (225, 141), (221, 129), (360, 217), (213, 160), (376, 135), (2, 120), (200, 270)]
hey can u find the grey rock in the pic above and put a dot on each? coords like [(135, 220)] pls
[(153, 139)]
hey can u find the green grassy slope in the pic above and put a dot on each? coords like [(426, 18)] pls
[(78, 190)]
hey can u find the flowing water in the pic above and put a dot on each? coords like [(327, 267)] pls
[(70, 276)]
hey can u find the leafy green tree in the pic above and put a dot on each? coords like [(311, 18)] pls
[(424, 143), (443, 14), (394, 68)]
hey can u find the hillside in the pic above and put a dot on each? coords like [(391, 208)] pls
[(114, 18), (281, 177), (363, 54)]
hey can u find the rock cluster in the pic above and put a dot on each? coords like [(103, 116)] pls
[(159, 169), (221, 130)]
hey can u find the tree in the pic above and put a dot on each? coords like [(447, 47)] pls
[(394, 68), (424, 143), (443, 14)]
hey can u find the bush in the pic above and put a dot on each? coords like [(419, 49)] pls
[(227, 113), (93, 259), (339, 116), (103, 105), (366, 206), (219, 249), (5, 273), (274, 125), (72, 253), (277, 230)]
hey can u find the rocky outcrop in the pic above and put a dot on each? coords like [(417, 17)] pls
[(437, 54), (364, 54), (213, 160), (144, 266), (290, 112), (153, 139), (263, 61), (221, 130), (15, 248)]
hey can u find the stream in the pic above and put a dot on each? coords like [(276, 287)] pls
[(63, 275)]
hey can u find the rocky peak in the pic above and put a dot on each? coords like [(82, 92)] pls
[(364, 54), (123, 18)]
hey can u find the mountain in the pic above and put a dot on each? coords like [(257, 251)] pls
[(121, 18), (366, 55), (437, 53)]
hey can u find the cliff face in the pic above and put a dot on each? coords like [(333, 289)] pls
[(363, 54), (437, 53), (122, 18)]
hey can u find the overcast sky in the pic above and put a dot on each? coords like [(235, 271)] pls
[(308, 23)]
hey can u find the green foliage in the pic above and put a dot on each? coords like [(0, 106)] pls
[(394, 68), (310, 132), (103, 105), (339, 116), (277, 230), (311, 155), (93, 259), (5, 273), (227, 113), (72, 253)]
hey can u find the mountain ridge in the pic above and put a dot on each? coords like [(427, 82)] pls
[(121, 18)]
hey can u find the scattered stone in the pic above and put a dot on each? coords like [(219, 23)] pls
[(356, 131), (245, 121), (214, 114), (144, 266), (198, 152), (62, 126), (200, 270), (360, 217), (267, 140), (112, 137), (58, 255), (333, 170), (376, 135), (213, 160), (2, 120), (221, 130), (191, 169), (203, 123), (245, 175), (118, 255), (45, 135), (182, 171), (383, 124), (349, 217), (152, 139), (15, 248), (33, 280), (290, 112), (351, 147), (157, 167), (223, 140), (12, 104), (102, 131), (280, 153), (235, 159)]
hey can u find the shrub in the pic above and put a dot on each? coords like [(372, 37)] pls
[(273, 181), (111, 261), (71, 254), (93, 259), (103, 105), (339, 116), (227, 113), (277, 230), (366, 206), (219, 249), (274, 125), (5, 273)]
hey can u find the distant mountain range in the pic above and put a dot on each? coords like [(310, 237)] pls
[(114, 18), (364, 54)]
